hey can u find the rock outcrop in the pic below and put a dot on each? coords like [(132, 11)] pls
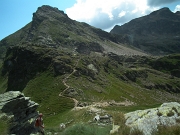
[(20, 111), (24, 63), (148, 120)]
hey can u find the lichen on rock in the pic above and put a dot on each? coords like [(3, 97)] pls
[(148, 120)]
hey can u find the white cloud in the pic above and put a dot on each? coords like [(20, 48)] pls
[(105, 14), (123, 13), (177, 8)]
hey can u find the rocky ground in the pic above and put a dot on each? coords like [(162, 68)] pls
[(149, 120), (20, 111)]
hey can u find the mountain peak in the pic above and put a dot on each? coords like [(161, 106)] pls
[(165, 12), (50, 14), (47, 12), (165, 9), (157, 32), (47, 8)]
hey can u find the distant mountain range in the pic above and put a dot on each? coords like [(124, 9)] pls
[(157, 33), (53, 28)]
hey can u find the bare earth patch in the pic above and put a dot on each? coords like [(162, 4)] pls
[(94, 107)]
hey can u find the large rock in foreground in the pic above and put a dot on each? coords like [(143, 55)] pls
[(149, 120), (20, 111)]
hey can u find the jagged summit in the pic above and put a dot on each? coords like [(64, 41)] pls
[(48, 12), (47, 8), (164, 13), (160, 21), (156, 33), (45, 14), (46, 18), (161, 11)]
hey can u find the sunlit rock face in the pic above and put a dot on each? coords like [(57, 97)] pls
[(20, 112), (148, 120)]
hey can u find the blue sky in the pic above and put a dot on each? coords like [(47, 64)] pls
[(103, 14), (17, 13)]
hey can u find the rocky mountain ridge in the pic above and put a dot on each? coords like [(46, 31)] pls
[(52, 28), (156, 33)]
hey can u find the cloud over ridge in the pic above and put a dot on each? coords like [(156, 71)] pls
[(159, 2), (177, 8), (105, 14)]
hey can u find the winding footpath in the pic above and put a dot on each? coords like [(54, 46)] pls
[(95, 104), (67, 86)]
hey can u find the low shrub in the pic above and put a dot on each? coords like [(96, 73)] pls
[(164, 130), (4, 125), (171, 113), (120, 120), (136, 132), (83, 129)]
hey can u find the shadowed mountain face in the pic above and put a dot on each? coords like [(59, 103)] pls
[(157, 33)]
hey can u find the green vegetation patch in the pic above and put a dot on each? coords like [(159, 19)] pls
[(83, 129), (5, 123), (168, 64), (166, 130), (45, 90), (4, 127)]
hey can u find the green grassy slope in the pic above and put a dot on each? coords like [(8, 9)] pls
[(168, 64), (45, 90), (98, 78)]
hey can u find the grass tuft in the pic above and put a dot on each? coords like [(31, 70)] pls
[(81, 129), (4, 125), (164, 130)]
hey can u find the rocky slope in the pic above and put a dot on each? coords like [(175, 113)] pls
[(24, 63), (53, 28), (157, 33), (169, 64), (19, 111)]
